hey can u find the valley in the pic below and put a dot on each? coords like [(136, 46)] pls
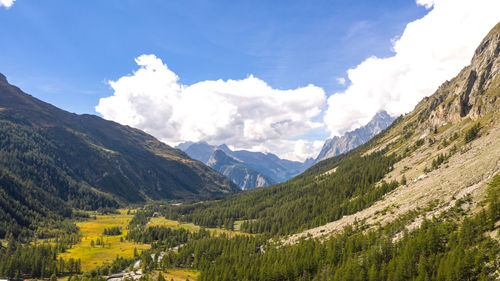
[(95, 249), (96, 255), (393, 192)]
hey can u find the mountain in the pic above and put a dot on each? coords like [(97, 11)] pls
[(268, 165), (244, 177), (355, 138), (441, 155), (52, 160)]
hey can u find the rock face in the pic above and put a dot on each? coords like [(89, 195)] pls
[(269, 166), (472, 93), (243, 176), (338, 145)]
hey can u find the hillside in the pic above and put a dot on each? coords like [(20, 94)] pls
[(51, 160), (450, 146), (419, 201), (446, 148)]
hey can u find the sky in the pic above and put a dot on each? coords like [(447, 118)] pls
[(270, 76)]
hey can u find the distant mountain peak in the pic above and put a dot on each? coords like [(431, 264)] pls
[(243, 176), (352, 139), (219, 156), (224, 148), (270, 166), (3, 78)]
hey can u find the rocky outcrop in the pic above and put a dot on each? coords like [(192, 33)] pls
[(473, 93), (338, 145)]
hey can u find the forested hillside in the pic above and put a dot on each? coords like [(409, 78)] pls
[(52, 160), (451, 246)]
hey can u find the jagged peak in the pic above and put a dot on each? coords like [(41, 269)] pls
[(3, 78), (472, 93), (489, 47)]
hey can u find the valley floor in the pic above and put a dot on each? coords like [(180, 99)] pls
[(97, 255)]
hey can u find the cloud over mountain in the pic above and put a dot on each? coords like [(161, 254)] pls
[(249, 114), (431, 50), (245, 113)]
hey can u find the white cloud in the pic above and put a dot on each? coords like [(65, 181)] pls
[(249, 114), (295, 150), (341, 80), (426, 3), (6, 3), (430, 50), (246, 114)]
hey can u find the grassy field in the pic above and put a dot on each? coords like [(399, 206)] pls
[(161, 221), (91, 230), (179, 275)]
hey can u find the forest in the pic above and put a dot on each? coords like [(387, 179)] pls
[(452, 246), (299, 203)]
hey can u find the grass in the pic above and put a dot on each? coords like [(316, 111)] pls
[(181, 274), (98, 255), (161, 221), (237, 224), (92, 229)]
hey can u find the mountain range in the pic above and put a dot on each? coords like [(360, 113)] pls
[(246, 168), (255, 169)]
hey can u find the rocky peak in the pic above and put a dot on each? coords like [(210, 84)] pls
[(218, 157), (338, 145), (3, 78), (473, 92)]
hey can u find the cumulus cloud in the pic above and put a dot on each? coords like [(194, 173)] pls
[(246, 114), (6, 3), (430, 50), (341, 80)]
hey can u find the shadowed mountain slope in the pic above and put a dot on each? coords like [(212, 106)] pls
[(49, 156)]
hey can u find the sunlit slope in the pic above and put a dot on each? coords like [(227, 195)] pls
[(446, 148)]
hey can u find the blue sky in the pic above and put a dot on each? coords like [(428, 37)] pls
[(63, 52), (156, 65)]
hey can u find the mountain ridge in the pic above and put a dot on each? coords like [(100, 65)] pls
[(243, 176), (268, 165), (87, 162), (352, 139)]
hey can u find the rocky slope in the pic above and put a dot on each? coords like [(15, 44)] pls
[(244, 177), (443, 161), (338, 145)]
